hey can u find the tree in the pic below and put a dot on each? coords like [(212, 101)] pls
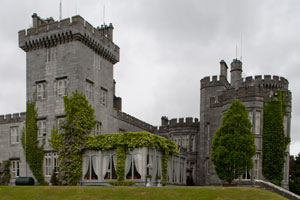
[(70, 142), (34, 153), (274, 140), (294, 184), (233, 144)]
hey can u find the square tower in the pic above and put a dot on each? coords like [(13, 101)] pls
[(64, 56)]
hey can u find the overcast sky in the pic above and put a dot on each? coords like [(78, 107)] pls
[(167, 46)]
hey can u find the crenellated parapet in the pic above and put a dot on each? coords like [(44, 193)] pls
[(12, 118), (48, 33), (268, 82), (177, 123), (254, 92), (136, 122), (214, 81)]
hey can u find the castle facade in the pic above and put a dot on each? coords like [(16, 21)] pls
[(71, 54)]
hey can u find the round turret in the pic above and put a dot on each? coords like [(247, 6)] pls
[(236, 73)]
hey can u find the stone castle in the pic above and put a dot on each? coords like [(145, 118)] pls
[(70, 54)]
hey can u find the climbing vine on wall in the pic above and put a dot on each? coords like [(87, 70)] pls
[(5, 172), (69, 140), (124, 141), (274, 140), (34, 153)]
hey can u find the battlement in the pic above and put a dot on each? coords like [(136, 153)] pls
[(136, 122), (214, 81), (12, 118), (180, 122), (251, 91), (268, 82), (48, 33)]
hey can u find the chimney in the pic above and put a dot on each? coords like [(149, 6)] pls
[(164, 121), (223, 68)]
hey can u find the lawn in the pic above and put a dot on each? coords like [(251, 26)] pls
[(133, 193)]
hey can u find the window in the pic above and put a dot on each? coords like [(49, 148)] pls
[(89, 90), (55, 162), (257, 122), (97, 130), (109, 162), (47, 164), (177, 140), (14, 135), (285, 124), (103, 96), (96, 61), (133, 165), (250, 117), (256, 166), (51, 54), (59, 123), (42, 130), (193, 141), (185, 142), (15, 169), (246, 175), (61, 86), (41, 91)]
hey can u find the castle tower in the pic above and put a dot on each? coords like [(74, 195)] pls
[(236, 73), (64, 56)]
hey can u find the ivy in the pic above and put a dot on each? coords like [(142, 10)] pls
[(129, 140), (34, 153), (70, 139), (4, 172), (273, 133)]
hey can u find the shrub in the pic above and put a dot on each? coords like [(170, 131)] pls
[(121, 183), (4, 172)]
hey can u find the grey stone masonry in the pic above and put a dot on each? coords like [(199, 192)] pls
[(216, 95)]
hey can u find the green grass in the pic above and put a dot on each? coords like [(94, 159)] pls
[(133, 193)]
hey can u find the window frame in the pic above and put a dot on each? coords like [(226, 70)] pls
[(15, 168), (14, 135)]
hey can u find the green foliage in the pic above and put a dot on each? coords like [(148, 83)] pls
[(121, 157), (121, 183), (294, 184), (274, 141), (70, 143), (34, 153), (54, 179), (5, 172), (164, 168), (129, 140), (233, 144)]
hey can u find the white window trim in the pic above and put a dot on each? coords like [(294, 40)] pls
[(62, 87), (42, 128), (41, 91), (15, 169), (14, 135)]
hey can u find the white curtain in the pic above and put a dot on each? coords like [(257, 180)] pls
[(170, 169), (138, 162), (177, 169), (154, 167), (115, 161), (95, 165), (128, 162), (184, 172), (159, 166), (105, 164), (85, 165)]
